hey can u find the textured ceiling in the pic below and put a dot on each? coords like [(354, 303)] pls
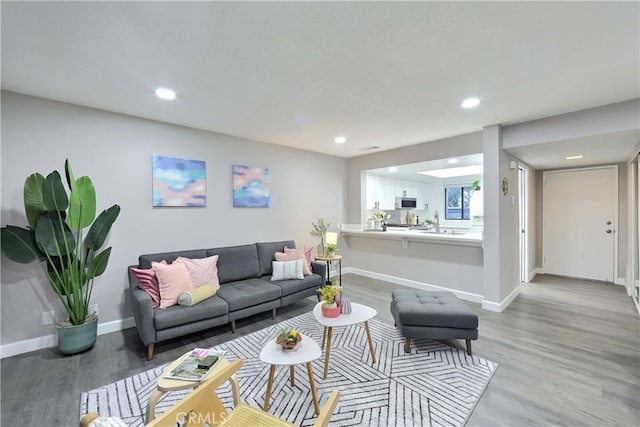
[(300, 73)]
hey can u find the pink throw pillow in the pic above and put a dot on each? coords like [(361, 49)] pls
[(173, 280), (293, 256), (306, 252), (203, 271), (148, 282)]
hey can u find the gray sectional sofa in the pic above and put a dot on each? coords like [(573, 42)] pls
[(245, 289)]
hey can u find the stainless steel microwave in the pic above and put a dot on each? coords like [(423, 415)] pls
[(406, 203)]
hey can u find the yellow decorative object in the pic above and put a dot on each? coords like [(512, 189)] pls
[(196, 295), (505, 186)]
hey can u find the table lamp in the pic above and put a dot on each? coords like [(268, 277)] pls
[(331, 238)]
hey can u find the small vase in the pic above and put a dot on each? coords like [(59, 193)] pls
[(332, 254), (331, 311)]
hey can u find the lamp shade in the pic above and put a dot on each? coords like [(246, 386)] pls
[(331, 238)]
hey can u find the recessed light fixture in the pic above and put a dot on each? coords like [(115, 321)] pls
[(164, 93), (470, 103), (574, 157), (340, 139), (393, 169), (451, 172), (452, 161)]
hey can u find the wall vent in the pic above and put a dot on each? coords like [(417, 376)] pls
[(369, 148)]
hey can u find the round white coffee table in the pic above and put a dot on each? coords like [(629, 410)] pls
[(359, 314), (305, 352)]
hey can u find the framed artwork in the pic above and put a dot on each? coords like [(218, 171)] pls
[(179, 182), (251, 186)]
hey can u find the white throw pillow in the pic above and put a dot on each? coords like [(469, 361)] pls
[(287, 270)]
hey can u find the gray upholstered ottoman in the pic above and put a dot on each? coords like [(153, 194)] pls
[(433, 315)]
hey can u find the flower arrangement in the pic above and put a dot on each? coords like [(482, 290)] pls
[(288, 338), (328, 295), (320, 229)]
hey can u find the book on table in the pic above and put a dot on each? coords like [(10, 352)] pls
[(196, 365)]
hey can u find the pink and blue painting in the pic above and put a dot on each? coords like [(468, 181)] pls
[(179, 182), (251, 186)]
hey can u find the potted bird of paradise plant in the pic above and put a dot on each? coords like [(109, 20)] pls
[(55, 238)]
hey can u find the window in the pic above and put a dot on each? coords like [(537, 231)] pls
[(456, 202)]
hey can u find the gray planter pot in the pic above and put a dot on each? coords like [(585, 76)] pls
[(74, 339)]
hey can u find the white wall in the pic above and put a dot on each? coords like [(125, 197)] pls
[(115, 151)]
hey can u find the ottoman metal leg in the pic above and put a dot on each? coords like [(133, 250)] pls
[(469, 347), (407, 345)]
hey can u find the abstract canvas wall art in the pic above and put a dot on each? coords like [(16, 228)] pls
[(251, 186), (179, 182)]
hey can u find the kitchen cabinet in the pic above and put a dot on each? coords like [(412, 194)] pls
[(375, 191)]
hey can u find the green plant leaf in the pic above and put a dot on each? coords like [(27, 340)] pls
[(100, 228), (33, 198), (69, 175), (19, 244), (99, 264), (82, 204), (54, 195), (53, 235)]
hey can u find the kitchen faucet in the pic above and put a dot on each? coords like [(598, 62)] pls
[(436, 217)]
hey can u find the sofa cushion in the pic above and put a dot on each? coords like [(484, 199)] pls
[(247, 293), (196, 295), (203, 271), (173, 280), (236, 262), (294, 255), (266, 251), (293, 286), (148, 282), (287, 270), (144, 261), (306, 253), (179, 315)]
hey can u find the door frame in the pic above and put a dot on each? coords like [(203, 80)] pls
[(523, 222), (616, 202)]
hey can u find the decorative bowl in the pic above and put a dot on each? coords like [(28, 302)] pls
[(288, 338)]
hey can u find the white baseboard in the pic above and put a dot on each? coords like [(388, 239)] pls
[(533, 273), (620, 281), (501, 306), (47, 341), (467, 296)]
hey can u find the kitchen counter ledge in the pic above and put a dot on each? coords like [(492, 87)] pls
[(473, 239)]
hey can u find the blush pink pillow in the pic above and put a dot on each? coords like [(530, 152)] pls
[(293, 256), (173, 280), (148, 282), (306, 252), (203, 271)]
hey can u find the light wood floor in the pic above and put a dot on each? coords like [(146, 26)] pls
[(569, 354)]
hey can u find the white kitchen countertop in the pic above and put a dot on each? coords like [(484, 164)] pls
[(457, 238)]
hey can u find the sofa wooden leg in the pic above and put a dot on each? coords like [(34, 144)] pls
[(150, 349), (469, 347), (233, 326), (273, 314), (407, 345)]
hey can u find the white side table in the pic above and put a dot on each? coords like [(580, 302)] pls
[(305, 352), (359, 314)]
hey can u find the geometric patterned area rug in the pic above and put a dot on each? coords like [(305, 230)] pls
[(434, 385)]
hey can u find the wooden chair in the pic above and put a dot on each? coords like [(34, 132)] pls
[(203, 407)]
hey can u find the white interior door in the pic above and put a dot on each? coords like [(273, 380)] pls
[(579, 223)]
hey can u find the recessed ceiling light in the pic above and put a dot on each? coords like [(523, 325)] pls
[(452, 161), (470, 103), (451, 172), (340, 139), (164, 93), (573, 157), (393, 169)]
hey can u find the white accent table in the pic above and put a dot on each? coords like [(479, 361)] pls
[(305, 352), (359, 314)]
